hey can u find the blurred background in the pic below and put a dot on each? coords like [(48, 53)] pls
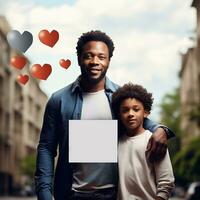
[(157, 44)]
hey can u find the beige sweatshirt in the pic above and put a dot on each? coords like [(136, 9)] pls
[(138, 178)]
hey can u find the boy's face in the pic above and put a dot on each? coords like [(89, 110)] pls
[(132, 114), (94, 61)]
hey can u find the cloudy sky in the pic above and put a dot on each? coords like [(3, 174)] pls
[(149, 36)]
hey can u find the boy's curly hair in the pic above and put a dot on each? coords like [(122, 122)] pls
[(130, 90), (94, 36)]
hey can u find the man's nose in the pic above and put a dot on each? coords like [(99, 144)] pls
[(95, 60)]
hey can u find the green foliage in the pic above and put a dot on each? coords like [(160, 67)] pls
[(28, 165), (195, 114), (186, 162), (170, 116)]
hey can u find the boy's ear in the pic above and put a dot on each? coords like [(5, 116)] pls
[(146, 113)]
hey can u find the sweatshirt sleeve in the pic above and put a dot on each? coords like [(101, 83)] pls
[(164, 177), (152, 126)]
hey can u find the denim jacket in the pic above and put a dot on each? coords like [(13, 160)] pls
[(63, 105)]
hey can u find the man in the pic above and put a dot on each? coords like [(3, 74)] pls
[(75, 101)]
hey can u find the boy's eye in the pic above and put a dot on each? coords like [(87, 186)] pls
[(136, 109), (125, 110)]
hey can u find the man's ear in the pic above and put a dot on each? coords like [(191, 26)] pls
[(146, 113)]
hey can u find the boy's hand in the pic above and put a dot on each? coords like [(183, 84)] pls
[(157, 145)]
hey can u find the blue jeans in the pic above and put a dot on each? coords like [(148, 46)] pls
[(101, 194)]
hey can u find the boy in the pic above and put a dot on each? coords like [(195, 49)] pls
[(139, 179)]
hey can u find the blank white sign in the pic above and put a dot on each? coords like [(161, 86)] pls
[(93, 141)]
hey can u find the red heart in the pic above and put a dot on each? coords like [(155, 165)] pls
[(18, 62), (65, 63), (41, 72), (23, 79), (47, 38)]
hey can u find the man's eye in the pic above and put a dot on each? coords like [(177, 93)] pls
[(136, 109), (87, 56), (102, 57)]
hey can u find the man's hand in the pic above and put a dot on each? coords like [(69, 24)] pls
[(157, 145), (159, 198)]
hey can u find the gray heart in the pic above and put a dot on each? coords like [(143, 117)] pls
[(18, 41)]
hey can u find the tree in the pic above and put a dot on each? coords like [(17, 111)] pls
[(195, 114), (186, 162), (185, 159), (170, 116), (28, 165)]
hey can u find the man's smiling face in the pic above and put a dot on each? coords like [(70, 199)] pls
[(94, 61)]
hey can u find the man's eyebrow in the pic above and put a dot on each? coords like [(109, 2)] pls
[(89, 52)]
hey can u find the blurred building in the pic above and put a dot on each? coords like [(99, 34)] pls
[(21, 113), (190, 86)]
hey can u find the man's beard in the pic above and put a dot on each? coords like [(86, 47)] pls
[(90, 80)]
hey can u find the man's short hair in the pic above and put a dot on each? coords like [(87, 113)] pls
[(130, 90), (94, 36)]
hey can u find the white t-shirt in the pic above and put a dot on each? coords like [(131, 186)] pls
[(91, 176), (95, 106), (138, 178)]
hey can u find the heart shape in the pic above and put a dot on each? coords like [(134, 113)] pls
[(23, 79), (18, 41), (41, 72), (47, 38), (65, 63), (18, 62)]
